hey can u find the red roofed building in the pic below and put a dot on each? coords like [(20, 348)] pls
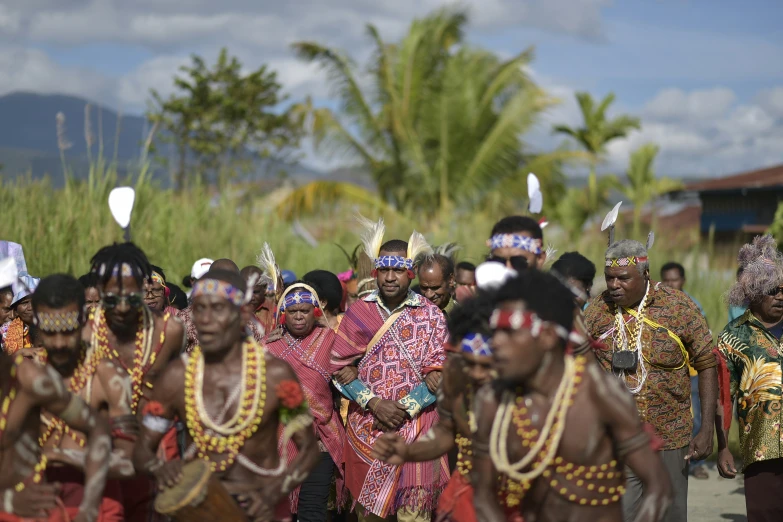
[(742, 204)]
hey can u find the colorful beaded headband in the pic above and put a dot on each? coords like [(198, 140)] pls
[(304, 293), (476, 344), (625, 261), (58, 322), (220, 289), (394, 262), (297, 298), (125, 269), (157, 278), (519, 319), (526, 243)]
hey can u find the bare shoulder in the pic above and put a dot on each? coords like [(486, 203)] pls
[(174, 326), (606, 391), (278, 370)]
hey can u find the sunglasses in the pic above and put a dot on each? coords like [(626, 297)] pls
[(775, 291), (518, 263), (109, 301)]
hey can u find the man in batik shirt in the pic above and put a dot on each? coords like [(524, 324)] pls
[(650, 333), (751, 350)]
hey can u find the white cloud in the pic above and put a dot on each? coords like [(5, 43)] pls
[(771, 100), (676, 104)]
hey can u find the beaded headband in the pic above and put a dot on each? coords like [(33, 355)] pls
[(625, 261), (157, 278), (57, 322), (519, 319), (394, 262), (298, 293), (476, 344), (124, 269), (526, 243), (220, 289)]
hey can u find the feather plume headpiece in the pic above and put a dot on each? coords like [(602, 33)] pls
[(372, 237), (448, 250), (762, 271), (266, 262), (418, 246)]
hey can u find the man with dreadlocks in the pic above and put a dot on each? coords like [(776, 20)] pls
[(124, 331), (235, 398), (59, 315), (468, 368), (650, 333), (750, 351), (554, 432), (397, 337)]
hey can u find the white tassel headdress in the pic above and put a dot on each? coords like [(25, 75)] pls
[(266, 262)]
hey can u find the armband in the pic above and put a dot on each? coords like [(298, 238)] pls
[(156, 424), (705, 362), (628, 446)]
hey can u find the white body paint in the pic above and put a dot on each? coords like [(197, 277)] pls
[(8, 500)]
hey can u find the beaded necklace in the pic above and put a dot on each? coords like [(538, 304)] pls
[(623, 334), (143, 356), (5, 408), (544, 449), (228, 438)]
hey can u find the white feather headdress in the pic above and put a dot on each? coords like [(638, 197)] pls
[(372, 237), (418, 246), (266, 262), (447, 250)]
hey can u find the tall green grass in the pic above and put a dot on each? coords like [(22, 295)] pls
[(61, 229)]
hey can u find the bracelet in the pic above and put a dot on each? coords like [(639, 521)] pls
[(372, 409), (120, 434)]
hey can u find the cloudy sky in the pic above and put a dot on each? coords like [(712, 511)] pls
[(705, 76)]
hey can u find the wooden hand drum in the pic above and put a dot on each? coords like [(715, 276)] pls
[(198, 497)]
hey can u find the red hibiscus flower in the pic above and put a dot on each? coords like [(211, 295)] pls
[(153, 408), (290, 394)]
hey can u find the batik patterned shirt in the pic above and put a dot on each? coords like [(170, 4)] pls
[(753, 358), (665, 399)]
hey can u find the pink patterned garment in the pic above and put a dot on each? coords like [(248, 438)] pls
[(309, 358), (391, 369)]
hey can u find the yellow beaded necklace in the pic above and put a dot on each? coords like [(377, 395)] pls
[(228, 438), (143, 356)]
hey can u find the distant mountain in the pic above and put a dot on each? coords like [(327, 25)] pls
[(29, 142)]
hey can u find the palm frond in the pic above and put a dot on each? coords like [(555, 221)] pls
[(318, 195)]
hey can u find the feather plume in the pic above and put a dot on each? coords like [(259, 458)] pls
[(650, 240), (266, 262), (372, 237), (447, 250), (418, 246), (550, 254)]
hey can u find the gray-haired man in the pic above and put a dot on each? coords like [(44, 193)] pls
[(650, 332)]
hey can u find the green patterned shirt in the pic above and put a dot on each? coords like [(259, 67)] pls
[(753, 357)]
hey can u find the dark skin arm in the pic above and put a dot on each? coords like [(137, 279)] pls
[(701, 445), (263, 502), (618, 412), (46, 388), (486, 476), (392, 449), (168, 393)]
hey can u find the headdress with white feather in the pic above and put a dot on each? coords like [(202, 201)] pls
[(447, 250), (418, 246), (266, 262), (372, 237)]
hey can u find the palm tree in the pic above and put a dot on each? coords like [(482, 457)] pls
[(642, 185), (438, 128), (595, 134)]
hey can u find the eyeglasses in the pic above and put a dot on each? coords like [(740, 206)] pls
[(518, 263), (110, 301), (775, 291), (154, 292)]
